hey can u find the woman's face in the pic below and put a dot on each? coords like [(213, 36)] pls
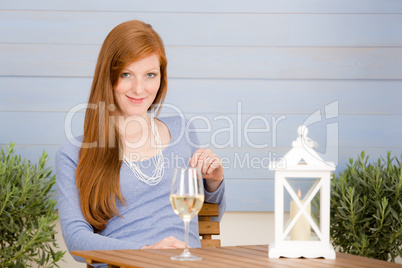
[(137, 86)]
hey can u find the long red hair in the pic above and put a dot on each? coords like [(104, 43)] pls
[(98, 171)]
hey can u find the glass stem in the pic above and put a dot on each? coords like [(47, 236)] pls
[(186, 229)]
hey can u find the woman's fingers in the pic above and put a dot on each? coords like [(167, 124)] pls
[(209, 164), (196, 160), (214, 163), (168, 242), (205, 160)]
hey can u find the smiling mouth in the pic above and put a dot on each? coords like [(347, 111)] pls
[(135, 100)]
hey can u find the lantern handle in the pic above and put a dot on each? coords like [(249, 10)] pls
[(302, 138)]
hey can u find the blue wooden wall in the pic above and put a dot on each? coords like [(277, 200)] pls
[(243, 65)]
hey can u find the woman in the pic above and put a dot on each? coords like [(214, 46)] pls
[(113, 191)]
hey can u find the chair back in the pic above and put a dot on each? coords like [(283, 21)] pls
[(206, 227)]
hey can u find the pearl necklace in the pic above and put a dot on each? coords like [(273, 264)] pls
[(159, 166)]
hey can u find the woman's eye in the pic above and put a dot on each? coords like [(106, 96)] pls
[(125, 75), (151, 75)]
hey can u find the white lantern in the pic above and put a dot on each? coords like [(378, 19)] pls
[(302, 222)]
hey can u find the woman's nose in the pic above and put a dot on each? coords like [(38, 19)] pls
[(137, 86)]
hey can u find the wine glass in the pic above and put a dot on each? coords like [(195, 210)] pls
[(187, 198)]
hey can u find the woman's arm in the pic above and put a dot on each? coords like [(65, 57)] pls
[(78, 234)]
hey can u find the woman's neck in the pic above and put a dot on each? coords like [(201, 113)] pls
[(136, 135)]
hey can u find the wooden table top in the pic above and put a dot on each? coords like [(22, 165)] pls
[(239, 256)]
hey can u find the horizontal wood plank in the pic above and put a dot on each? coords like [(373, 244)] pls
[(209, 210), (240, 163), (207, 29), (284, 96), (215, 62), (249, 195), (211, 6), (234, 132), (210, 243), (209, 227), (60, 94)]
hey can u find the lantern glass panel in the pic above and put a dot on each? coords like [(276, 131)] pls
[(306, 191)]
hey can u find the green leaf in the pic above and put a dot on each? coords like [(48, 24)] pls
[(366, 208), (26, 212)]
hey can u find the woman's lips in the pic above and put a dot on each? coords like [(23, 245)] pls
[(135, 100)]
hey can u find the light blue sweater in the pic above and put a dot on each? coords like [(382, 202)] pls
[(147, 216)]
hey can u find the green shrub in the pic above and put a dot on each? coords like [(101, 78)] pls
[(366, 208), (27, 212)]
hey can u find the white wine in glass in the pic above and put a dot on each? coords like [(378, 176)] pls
[(187, 198)]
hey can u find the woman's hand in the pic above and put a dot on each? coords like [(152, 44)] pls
[(168, 242), (211, 168)]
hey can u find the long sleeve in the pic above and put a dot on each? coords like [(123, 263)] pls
[(77, 232), (218, 196)]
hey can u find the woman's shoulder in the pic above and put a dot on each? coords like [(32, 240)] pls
[(177, 126), (174, 121), (70, 148)]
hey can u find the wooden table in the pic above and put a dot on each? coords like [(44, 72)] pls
[(240, 256)]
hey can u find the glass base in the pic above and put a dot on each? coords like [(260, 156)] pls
[(186, 256)]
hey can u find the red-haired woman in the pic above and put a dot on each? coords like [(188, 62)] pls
[(113, 190)]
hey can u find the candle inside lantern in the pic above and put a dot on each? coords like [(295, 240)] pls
[(301, 230)]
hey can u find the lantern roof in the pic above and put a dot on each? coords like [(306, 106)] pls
[(302, 156)]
